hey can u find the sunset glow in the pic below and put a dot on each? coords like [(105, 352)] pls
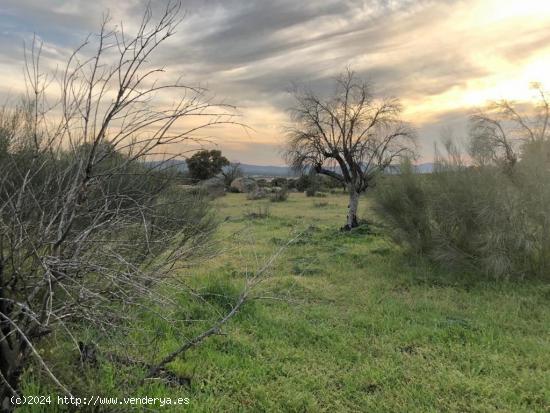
[(442, 59)]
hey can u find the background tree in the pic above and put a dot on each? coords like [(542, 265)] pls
[(500, 132), (349, 136), (206, 164), (231, 172)]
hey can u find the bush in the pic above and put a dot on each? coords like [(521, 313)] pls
[(312, 182), (401, 199), (483, 217), (279, 181), (305, 182), (262, 183), (279, 196), (328, 183)]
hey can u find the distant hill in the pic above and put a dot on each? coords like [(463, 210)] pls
[(267, 170), (260, 170), (246, 168), (424, 168)]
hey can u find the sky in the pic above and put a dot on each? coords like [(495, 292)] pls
[(442, 59)]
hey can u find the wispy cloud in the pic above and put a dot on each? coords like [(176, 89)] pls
[(440, 57)]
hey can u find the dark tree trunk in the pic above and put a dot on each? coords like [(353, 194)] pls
[(13, 354), (11, 367)]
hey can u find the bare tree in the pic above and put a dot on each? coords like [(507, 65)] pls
[(351, 136), (231, 172), (83, 219), (498, 133)]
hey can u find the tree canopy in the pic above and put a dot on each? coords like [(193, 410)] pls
[(206, 164)]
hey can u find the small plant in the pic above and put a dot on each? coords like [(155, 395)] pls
[(221, 292), (279, 196), (261, 212)]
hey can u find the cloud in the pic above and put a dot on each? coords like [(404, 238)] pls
[(440, 58)]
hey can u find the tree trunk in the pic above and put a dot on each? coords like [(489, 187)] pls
[(352, 209), (11, 368), (13, 354)]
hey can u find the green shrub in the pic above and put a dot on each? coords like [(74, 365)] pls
[(304, 182), (279, 181), (279, 196), (221, 292), (482, 217), (328, 183), (401, 200), (312, 182), (310, 192)]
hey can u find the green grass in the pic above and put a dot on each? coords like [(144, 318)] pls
[(355, 325)]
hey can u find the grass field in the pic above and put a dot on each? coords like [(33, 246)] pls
[(349, 323)]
